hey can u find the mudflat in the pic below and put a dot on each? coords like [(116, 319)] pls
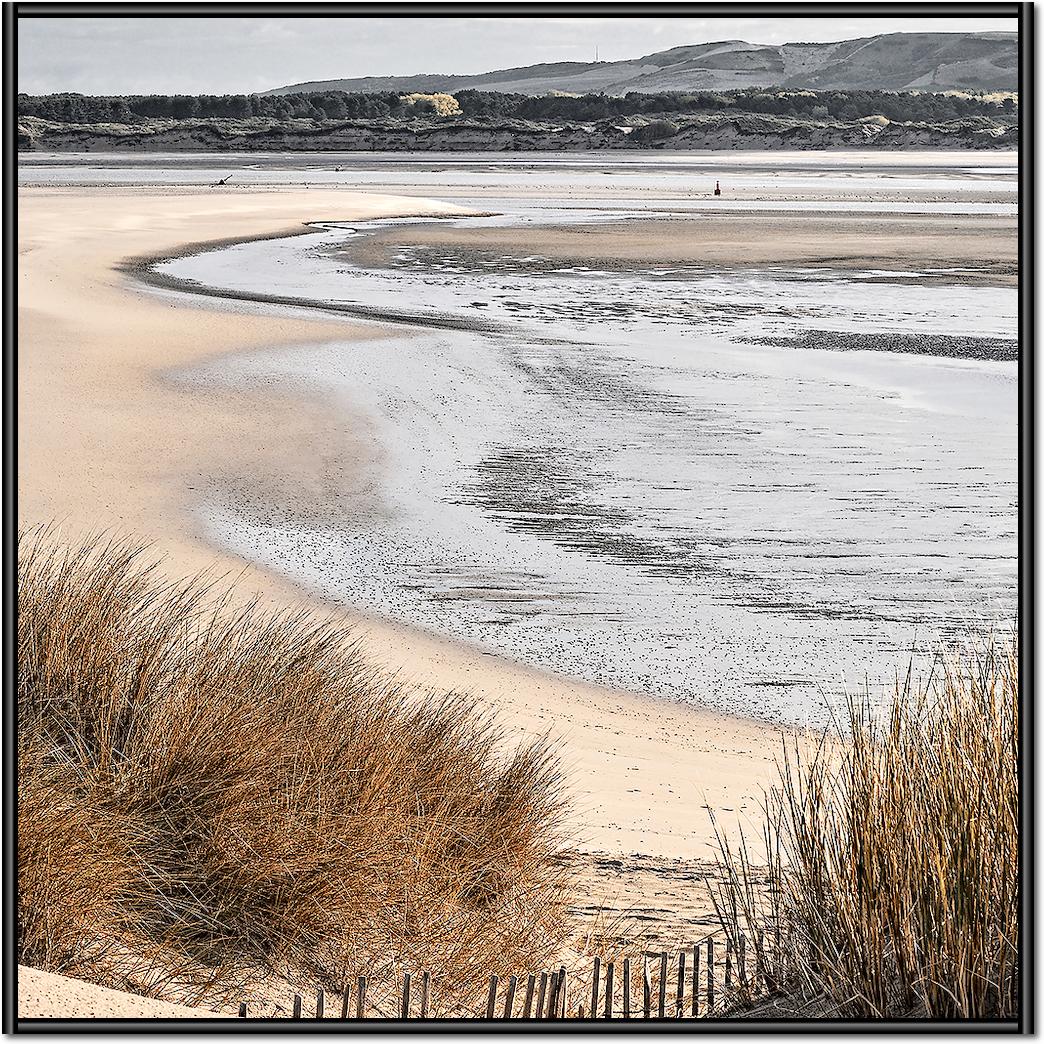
[(967, 248)]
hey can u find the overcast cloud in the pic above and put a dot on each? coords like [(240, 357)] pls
[(114, 55)]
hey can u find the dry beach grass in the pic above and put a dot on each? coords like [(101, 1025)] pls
[(208, 790), (892, 886)]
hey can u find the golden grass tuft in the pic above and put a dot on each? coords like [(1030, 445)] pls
[(222, 791), (892, 884)]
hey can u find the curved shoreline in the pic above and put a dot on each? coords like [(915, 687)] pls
[(109, 443), (271, 531)]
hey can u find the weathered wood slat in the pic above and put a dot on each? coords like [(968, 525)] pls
[(646, 989), (527, 1009), (509, 999), (360, 998), (595, 982), (540, 997), (627, 988), (491, 1000), (679, 1006), (710, 976), (320, 1004), (663, 986), (242, 1009), (553, 987), (609, 990), (696, 981), (404, 1007), (297, 1005), (346, 1000), (425, 994)]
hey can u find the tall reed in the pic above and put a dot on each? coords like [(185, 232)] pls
[(892, 884)]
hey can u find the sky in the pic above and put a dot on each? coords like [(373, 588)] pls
[(163, 55)]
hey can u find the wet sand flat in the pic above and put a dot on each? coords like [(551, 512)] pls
[(981, 248), (752, 487)]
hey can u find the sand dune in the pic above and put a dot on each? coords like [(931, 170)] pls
[(44, 995)]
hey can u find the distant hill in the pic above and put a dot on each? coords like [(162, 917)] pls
[(894, 62)]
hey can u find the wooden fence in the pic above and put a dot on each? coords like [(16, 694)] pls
[(704, 979)]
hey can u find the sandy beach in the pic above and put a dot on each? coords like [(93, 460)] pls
[(107, 443)]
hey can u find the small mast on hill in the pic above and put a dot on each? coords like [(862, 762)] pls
[(717, 188)]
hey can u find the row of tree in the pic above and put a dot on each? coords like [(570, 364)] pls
[(339, 105)]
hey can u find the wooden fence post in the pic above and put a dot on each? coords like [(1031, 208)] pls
[(540, 997), (594, 987), (627, 988), (696, 980), (527, 1011), (609, 990), (555, 993), (425, 994), (491, 1000), (563, 991), (646, 987), (710, 976), (360, 998), (741, 961), (297, 1005), (509, 1000), (663, 985), (680, 1000), (320, 1005), (728, 965), (406, 995), (346, 1000), (242, 1009)]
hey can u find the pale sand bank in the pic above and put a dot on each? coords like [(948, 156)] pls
[(44, 995), (105, 441), (973, 248)]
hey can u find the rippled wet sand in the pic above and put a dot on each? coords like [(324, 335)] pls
[(656, 479)]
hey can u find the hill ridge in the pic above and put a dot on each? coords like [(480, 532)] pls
[(983, 61)]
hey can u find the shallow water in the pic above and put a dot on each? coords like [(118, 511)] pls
[(598, 472), (986, 182)]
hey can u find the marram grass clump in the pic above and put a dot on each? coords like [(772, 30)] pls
[(216, 791), (892, 879)]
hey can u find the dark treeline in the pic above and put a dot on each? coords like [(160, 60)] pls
[(842, 105), (339, 105), (329, 105)]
